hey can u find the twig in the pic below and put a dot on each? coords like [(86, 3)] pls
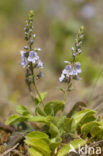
[(17, 152), (9, 150), (96, 143)]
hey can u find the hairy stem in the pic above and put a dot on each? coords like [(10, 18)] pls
[(67, 90), (38, 93), (33, 77)]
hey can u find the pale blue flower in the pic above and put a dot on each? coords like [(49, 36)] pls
[(62, 78), (79, 50), (73, 49), (70, 70), (33, 57), (40, 64), (78, 67), (38, 49), (68, 67), (34, 35)]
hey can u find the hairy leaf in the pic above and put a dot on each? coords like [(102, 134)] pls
[(55, 142), (39, 111), (34, 152), (39, 119), (38, 135), (53, 130), (52, 107), (83, 116), (15, 118), (75, 144), (22, 110), (39, 141), (37, 100), (94, 128)]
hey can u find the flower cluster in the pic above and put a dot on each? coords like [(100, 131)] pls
[(32, 57), (29, 56), (74, 68), (76, 49), (70, 70)]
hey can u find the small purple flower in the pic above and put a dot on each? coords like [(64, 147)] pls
[(24, 61), (38, 49), (61, 79), (77, 68), (26, 47), (70, 70), (79, 51), (40, 64), (73, 49), (77, 44), (74, 72), (65, 72), (34, 35), (32, 41), (73, 54), (33, 57), (68, 67)]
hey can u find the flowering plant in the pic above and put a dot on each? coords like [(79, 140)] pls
[(58, 131)]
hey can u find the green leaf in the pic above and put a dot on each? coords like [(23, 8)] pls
[(38, 135), (94, 128), (53, 130), (83, 116), (97, 132), (76, 108), (61, 124), (67, 148), (39, 141), (12, 119), (28, 117), (39, 111), (39, 119), (70, 125), (34, 152), (37, 100), (22, 110), (40, 145), (52, 107), (55, 142), (62, 89)]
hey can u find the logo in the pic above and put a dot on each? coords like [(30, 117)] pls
[(86, 150)]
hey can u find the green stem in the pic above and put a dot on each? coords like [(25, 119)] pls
[(31, 93), (66, 92), (35, 85), (38, 93)]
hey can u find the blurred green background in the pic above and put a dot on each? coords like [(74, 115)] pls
[(55, 23)]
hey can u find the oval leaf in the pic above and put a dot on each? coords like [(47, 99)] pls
[(51, 108), (75, 144)]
